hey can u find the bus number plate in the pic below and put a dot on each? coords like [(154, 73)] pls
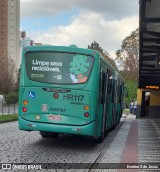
[(54, 117)]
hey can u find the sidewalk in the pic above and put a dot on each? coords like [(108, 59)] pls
[(137, 141)]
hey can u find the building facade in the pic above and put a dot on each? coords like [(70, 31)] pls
[(9, 30)]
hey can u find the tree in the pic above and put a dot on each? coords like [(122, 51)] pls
[(11, 98), (128, 62), (8, 76), (131, 91), (95, 46), (128, 56)]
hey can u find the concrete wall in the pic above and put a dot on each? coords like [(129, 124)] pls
[(9, 30), (13, 31), (154, 105), (139, 100), (154, 109), (3, 30)]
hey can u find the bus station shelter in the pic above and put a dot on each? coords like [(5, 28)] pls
[(148, 94), (142, 144)]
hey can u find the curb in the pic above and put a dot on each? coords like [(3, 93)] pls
[(124, 115)]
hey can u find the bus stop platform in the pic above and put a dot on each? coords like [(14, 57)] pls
[(142, 144), (136, 146)]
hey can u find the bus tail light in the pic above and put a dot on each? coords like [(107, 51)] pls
[(24, 109), (86, 114), (25, 102), (86, 107), (56, 95)]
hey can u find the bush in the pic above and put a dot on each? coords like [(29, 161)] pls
[(7, 118), (11, 98)]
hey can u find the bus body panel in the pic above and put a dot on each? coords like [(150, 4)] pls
[(87, 130), (68, 108), (109, 111)]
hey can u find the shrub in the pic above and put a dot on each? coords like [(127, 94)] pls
[(11, 98)]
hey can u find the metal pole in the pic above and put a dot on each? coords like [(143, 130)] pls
[(14, 108), (2, 106)]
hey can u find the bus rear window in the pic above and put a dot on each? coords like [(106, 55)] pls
[(58, 68)]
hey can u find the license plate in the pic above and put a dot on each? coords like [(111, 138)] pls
[(54, 117)]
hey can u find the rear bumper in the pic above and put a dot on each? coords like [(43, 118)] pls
[(87, 130)]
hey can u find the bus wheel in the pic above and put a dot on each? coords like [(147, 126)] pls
[(48, 134)]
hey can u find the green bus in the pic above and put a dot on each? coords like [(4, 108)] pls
[(68, 90)]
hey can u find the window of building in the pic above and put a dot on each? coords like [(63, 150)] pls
[(12, 10)]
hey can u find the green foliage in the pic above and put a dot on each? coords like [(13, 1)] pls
[(128, 56), (8, 76), (6, 118), (11, 98), (95, 46), (131, 87), (128, 61), (126, 111)]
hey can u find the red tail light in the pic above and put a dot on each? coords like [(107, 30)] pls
[(24, 109), (56, 95), (86, 114)]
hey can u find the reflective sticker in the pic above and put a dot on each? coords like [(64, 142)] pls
[(31, 94), (76, 129), (31, 125), (38, 117), (44, 108)]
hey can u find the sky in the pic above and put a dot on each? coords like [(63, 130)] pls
[(80, 22)]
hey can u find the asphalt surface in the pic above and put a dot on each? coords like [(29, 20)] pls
[(74, 153), (29, 147)]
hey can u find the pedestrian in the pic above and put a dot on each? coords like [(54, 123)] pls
[(131, 107), (135, 107)]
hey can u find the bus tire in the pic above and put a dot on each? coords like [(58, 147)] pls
[(48, 134), (114, 126)]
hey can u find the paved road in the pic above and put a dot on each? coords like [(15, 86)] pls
[(119, 146), (28, 147)]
